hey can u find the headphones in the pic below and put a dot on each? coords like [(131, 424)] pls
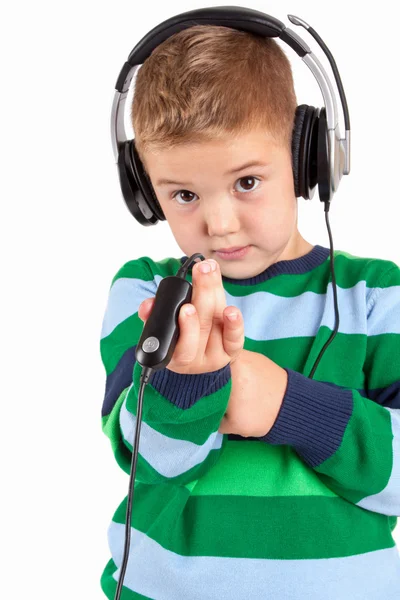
[(319, 154)]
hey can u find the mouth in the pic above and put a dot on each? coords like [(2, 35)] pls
[(240, 252), (232, 249)]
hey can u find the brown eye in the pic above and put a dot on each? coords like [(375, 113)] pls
[(180, 195), (247, 183)]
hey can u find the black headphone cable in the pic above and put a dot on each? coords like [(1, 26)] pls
[(335, 300), (144, 378), (154, 351)]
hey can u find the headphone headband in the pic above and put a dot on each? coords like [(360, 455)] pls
[(244, 19)]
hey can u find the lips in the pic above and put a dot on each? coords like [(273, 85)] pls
[(233, 249)]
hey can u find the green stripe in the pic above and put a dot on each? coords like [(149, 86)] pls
[(253, 527), (366, 449), (381, 371), (140, 267), (124, 336), (291, 352), (242, 467)]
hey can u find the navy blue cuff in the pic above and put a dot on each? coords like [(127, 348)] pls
[(312, 418), (184, 390)]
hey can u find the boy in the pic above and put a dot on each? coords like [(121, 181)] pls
[(253, 480)]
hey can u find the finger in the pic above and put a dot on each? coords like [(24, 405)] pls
[(220, 294), (215, 336), (233, 332), (145, 308), (186, 349), (203, 298)]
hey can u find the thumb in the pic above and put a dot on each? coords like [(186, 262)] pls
[(145, 308), (233, 334)]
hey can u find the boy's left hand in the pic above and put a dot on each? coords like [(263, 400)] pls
[(258, 389)]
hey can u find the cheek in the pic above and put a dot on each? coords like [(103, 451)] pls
[(272, 215), (173, 218), (184, 230)]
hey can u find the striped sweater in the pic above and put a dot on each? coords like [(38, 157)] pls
[(306, 511)]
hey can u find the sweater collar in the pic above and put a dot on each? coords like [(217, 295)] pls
[(295, 266)]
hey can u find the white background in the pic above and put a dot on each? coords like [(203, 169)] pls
[(66, 231)]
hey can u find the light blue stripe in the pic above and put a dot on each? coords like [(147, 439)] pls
[(387, 318), (167, 456), (268, 316), (387, 502), (156, 572), (124, 299)]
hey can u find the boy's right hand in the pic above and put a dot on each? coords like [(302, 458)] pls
[(208, 340)]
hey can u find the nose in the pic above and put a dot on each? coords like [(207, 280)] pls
[(221, 218)]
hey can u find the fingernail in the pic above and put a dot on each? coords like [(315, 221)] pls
[(189, 310), (232, 316), (205, 267)]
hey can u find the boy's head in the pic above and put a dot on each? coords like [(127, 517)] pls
[(208, 100)]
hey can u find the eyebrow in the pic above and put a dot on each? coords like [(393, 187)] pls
[(235, 170)]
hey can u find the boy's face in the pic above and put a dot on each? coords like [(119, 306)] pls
[(210, 208)]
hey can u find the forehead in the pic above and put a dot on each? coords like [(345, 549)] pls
[(222, 156)]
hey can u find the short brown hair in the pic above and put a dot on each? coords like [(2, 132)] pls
[(207, 81)]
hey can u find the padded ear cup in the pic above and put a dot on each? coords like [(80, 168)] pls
[(324, 173), (136, 188), (304, 151), (143, 182), (133, 197), (296, 139)]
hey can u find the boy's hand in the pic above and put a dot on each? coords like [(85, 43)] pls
[(258, 390), (208, 340)]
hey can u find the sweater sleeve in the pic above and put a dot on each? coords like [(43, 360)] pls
[(353, 442), (179, 438)]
